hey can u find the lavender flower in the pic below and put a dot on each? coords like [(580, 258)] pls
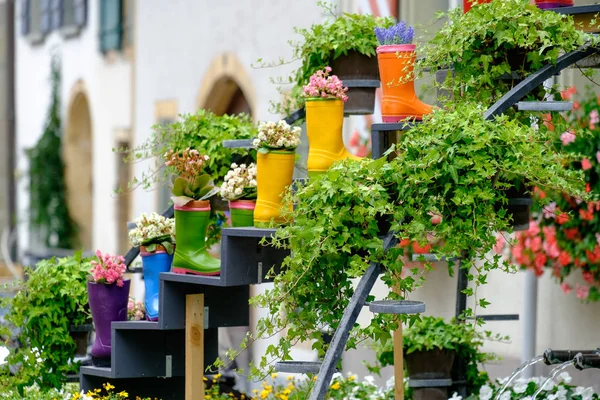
[(397, 34)]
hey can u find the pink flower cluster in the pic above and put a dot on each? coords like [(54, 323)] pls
[(135, 310), (188, 163), (108, 269), (324, 86)]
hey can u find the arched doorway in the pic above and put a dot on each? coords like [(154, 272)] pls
[(77, 156), (227, 88)]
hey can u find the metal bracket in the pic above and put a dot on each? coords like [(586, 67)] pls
[(260, 274), (169, 366), (205, 317)]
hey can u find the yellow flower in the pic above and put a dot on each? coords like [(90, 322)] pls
[(108, 386), (283, 397), (289, 378), (274, 375), (76, 396), (351, 378), (264, 394), (123, 394), (217, 376), (335, 386)]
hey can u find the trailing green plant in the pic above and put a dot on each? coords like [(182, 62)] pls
[(51, 299), (430, 333), (203, 131), (49, 211), (323, 43), (492, 41), (448, 183)]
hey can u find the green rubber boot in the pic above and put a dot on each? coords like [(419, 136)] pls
[(191, 256)]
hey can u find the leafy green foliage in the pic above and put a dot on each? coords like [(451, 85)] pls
[(454, 165), (323, 43), (202, 131), (465, 340), (51, 300), (492, 40), (49, 212)]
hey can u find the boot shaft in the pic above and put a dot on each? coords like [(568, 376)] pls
[(191, 222), (396, 69), (274, 174), (324, 122)]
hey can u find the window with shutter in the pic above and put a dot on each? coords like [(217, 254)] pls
[(80, 12), (45, 12), (56, 14), (111, 26), (24, 17)]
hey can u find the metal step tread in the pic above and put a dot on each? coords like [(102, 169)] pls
[(238, 144), (193, 279), (355, 83), (248, 232), (432, 257), (97, 371), (545, 105), (394, 126), (425, 383), (136, 325), (298, 367), (397, 307), (593, 8)]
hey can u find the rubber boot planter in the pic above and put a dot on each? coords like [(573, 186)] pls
[(191, 255), (108, 303), (360, 74), (242, 212), (324, 122), (396, 65), (275, 170), (152, 265)]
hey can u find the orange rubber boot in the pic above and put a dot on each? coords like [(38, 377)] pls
[(396, 66), (324, 122), (274, 173)]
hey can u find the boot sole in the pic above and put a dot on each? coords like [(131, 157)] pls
[(101, 362), (184, 271), (398, 118)]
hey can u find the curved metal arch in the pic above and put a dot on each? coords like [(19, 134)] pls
[(536, 79)]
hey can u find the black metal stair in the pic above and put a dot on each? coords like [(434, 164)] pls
[(143, 351)]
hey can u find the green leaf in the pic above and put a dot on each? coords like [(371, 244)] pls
[(180, 187)]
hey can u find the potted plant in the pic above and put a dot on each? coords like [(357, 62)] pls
[(50, 312), (494, 46), (444, 169), (154, 234), (325, 97), (276, 144), (239, 189), (396, 58), (204, 132), (347, 44), (563, 234), (108, 293), (135, 310), (191, 190)]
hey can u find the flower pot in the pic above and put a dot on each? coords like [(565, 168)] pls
[(274, 172), (360, 74), (544, 4), (396, 66), (324, 121), (242, 212), (518, 207), (153, 263), (81, 337), (467, 4), (430, 364), (108, 303), (191, 255)]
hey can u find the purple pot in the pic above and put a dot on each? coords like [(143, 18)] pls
[(108, 303)]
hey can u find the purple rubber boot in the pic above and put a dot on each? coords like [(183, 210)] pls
[(108, 303)]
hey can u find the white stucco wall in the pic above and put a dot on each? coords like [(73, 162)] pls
[(108, 90)]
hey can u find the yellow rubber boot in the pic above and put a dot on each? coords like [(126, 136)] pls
[(274, 172), (396, 65), (324, 122)]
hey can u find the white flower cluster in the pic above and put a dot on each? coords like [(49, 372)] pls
[(560, 390), (150, 227), (278, 135), (239, 182)]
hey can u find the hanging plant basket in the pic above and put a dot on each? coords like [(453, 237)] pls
[(430, 373), (360, 74)]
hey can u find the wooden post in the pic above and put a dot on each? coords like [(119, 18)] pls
[(399, 362), (194, 347)]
